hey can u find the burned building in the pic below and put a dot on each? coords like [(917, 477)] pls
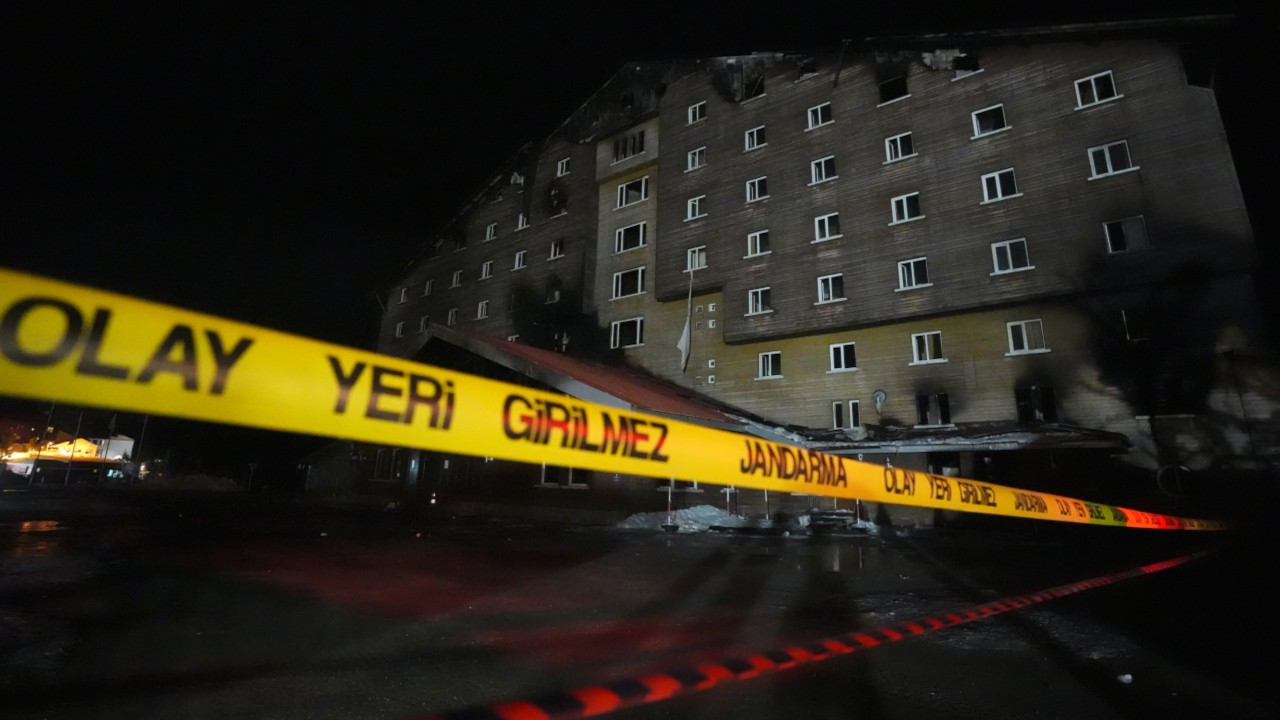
[(986, 254)]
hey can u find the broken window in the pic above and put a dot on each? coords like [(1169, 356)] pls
[(893, 88), (1036, 404), (933, 409), (966, 63), (627, 146), (1125, 235)]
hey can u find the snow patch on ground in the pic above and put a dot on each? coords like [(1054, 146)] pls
[(694, 519)]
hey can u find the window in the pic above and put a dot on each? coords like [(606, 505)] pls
[(557, 248), (753, 139), (452, 318), (695, 159), (694, 208), (625, 147), (486, 270), (840, 420), (1125, 235), (933, 409), (423, 322), (562, 167), (988, 120), (457, 279), (822, 170), (769, 365), (522, 221), (1096, 89), (758, 243), (400, 329), (627, 333), (831, 288), (906, 207), (1110, 159), (1025, 337), (630, 237), (757, 189), (630, 193), (697, 112), (553, 294), (1137, 324), (1037, 403), (404, 294), (819, 115), (966, 64), (913, 273), (520, 258), (759, 300), (843, 357), (999, 185), (490, 231), (482, 309), (1010, 256), (895, 88), (628, 282), (826, 227), (695, 258), (426, 289), (926, 347), (899, 147)]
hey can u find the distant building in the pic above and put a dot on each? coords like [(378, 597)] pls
[(1006, 255)]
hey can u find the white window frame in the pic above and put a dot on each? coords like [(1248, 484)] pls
[(893, 148), (619, 234), (1022, 326), (915, 348), (400, 329), (848, 425), (404, 294), (988, 197), (452, 318), (822, 228), (835, 350), (695, 158), (827, 289), (1130, 245), (754, 186), (486, 270), (1093, 168), (622, 192), (562, 167), (977, 131), (818, 170), (557, 249), (769, 365), (426, 288), (693, 208), (1007, 246), (519, 262), (751, 138), (423, 323), (893, 208), (618, 280), (1093, 87), (908, 268), (814, 116), (615, 332), (753, 244), (457, 279), (482, 309), (491, 231), (696, 113), (759, 301), (692, 254), (522, 221)]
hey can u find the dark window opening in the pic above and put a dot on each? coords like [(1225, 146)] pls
[(966, 63), (1036, 404), (1198, 64), (808, 66), (753, 87), (893, 88), (933, 409)]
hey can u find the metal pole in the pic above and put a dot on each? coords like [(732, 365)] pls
[(137, 446), (66, 480), (40, 448)]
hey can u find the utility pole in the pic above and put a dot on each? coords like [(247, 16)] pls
[(66, 479)]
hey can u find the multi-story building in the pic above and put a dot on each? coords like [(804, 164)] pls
[(976, 253)]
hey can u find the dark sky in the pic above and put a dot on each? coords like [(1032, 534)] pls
[(277, 163)]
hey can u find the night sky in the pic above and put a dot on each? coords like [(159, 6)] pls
[(278, 164)]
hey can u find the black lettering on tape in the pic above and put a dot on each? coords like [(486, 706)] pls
[(346, 381), (182, 339), (378, 390), (89, 363), (223, 360), (12, 321)]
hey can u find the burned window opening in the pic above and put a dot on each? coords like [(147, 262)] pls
[(1036, 404), (933, 409)]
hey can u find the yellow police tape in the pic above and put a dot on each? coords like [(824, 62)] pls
[(64, 342)]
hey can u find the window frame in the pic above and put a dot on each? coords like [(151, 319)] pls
[(1129, 245), (693, 252), (457, 279), (889, 143), (482, 309), (521, 260), (486, 270), (915, 355), (404, 294), (831, 281), (695, 159), (1006, 244), (893, 208), (761, 299), (618, 237), (822, 224), (400, 329), (491, 231), (427, 287), (1022, 326), (562, 167), (987, 197), (696, 113), (977, 130), (831, 357), (1093, 88), (754, 186), (910, 265), (1106, 147), (773, 365), (754, 238), (853, 414), (811, 115), (618, 281), (751, 134), (423, 323), (615, 333), (452, 317), (557, 249), (821, 164), (522, 221), (694, 204), (622, 192)]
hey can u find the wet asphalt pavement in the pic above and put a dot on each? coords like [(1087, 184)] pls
[(209, 606)]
